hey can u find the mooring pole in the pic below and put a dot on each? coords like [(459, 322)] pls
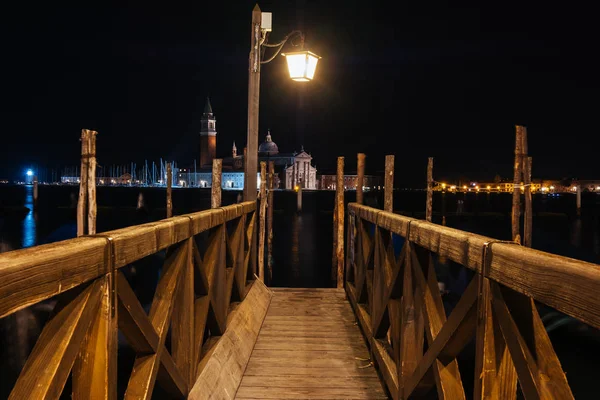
[(339, 223), (83, 186), (215, 189), (262, 223), (578, 199), (35, 191), (169, 183), (388, 189), (299, 199), (518, 171), (360, 181), (429, 204), (91, 183), (270, 205)]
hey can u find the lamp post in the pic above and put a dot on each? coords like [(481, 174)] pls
[(301, 64)]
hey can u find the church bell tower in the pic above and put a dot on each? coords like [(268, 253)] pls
[(208, 136)]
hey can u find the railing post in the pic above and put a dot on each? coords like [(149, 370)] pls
[(429, 208), (215, 189), (169, 183), (82, 202), (360, 181), (388, 189), (578, 187), (91, 183), (262, 214), (339, 223), (270, 222)]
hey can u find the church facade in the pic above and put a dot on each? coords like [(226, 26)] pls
[(293, 170)]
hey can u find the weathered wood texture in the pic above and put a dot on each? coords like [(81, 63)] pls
[(388, 189), (270, 208), (398, 304), (195, 292), (429, 203), (222, 373), (360, 181), (262, 219), (169, 190), (83, 186), (251, 157), (338, 264), (91, 183), (309, 348), (518, 173), (215, 189)]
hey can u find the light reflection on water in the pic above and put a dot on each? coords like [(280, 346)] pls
[(29, 224)]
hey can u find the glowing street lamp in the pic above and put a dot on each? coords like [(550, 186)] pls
[(302, 65), (29, 172)]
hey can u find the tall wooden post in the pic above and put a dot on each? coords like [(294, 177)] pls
[(35, 191), (528, 228), (518, 169), (270, 222), (253, 101), (429, 204), (360, 182), (262, 216), (339, 223), (83, 186), (169, 183), (91, 183), (388, 189), (578, 199), (215, 189)]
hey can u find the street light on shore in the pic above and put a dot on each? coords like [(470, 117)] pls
[(302, 65)]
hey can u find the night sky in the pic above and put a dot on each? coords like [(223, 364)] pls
[(414, 79)]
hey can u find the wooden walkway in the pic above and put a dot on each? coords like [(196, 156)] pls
[(310, 348)]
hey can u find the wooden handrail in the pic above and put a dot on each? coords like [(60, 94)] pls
[(193, 296), (560, 282), (399, 306)]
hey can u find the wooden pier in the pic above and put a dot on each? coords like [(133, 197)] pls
[(384, 332), (309, 347)]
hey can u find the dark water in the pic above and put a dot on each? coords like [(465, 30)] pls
[(303, 252)]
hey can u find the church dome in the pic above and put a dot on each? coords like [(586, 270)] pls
[(268, 147)]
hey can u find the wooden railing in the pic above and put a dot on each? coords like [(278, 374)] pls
[(200, 282), (414, 344)]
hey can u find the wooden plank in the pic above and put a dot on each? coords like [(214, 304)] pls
[(28, 276), (223, 370), (182, 324), (282, 380), (250, 392), (289, 344), (539, 370), (145, 368), (495, 375), (215, 187), (50, 362), (95, 369), (266, 369), (439, 333)]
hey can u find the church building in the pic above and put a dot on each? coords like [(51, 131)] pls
[(292, 169)]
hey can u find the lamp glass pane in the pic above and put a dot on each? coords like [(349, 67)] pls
[(311, 66), (296, 65)]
